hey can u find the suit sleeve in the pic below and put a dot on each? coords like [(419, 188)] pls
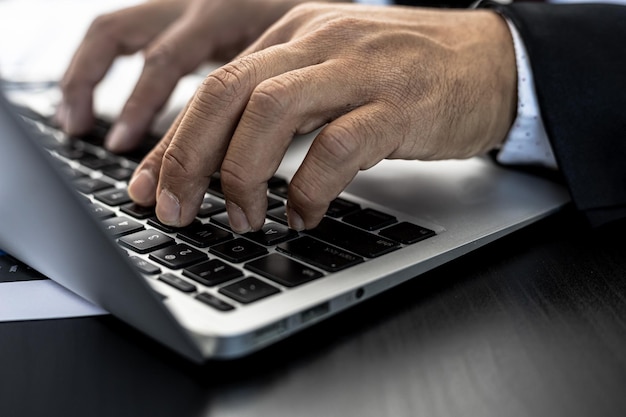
[(578, 58)]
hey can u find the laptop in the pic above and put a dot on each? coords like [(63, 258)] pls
[(210, 294)]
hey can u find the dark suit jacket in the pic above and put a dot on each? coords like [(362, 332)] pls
[(578, 58)]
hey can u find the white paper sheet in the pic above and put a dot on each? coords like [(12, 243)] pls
[(42, 299)]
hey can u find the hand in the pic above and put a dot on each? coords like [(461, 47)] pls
[(390, 82), (176, 36)]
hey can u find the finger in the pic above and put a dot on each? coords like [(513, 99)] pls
[(142, 186), (200, 142), (178, 51), (356, 141), (185, 173), (88, 66), (275, 113)]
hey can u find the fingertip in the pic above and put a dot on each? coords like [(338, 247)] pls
[(120, 138), (142, 188), (237, 218), (168, 208), (76, 120), (294, 220)]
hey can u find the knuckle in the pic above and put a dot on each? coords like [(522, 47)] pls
[(272, 97), (134, 105), (214, 86), (304, 196), (103, 25), (197, 112), (223, 84), (233, 75), (161, 57), (234, 176), (176, 162), (69, 86), (337, 143)]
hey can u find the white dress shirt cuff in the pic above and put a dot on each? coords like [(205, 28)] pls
[(527, 142)]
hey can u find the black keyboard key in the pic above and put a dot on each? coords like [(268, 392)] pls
[(137, 211), (320, 254), (210, 206), (407, 233), (70, 151), (113, 196), (248, 290), (350, 238), (100, 212), (204, 235), (278, 214), (118, 172), (96, 163), (277, 182), (97, 133), (146, 241), (212, 272), (120, 226), (155, 222), (221, 219), (71, 173), (283, 270), (272, 234), (238, 250), (46, 138), (177, 283), (370, 219), (340, 207), (215, 186), (178, 256), (273, 203), (214, 302), (88, 185), (144, 266), (279, 187)]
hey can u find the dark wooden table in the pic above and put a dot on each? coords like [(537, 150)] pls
[(532, 325)]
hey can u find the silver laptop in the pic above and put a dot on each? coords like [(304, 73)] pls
[(208, 293)]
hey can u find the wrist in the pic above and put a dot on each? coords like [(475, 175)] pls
[(504, 71)]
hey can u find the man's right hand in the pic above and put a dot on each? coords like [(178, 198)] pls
[(382, 83)]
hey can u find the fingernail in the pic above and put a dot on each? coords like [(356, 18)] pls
[(168, 208), (294, 220), (142, 187), (117, 138), (237, 218)]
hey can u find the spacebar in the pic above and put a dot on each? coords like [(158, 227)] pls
[(348, 237), (319, 254)]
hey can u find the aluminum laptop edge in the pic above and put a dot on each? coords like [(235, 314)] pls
[(45, 223)]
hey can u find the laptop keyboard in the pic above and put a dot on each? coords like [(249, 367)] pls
[(206, 259)]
